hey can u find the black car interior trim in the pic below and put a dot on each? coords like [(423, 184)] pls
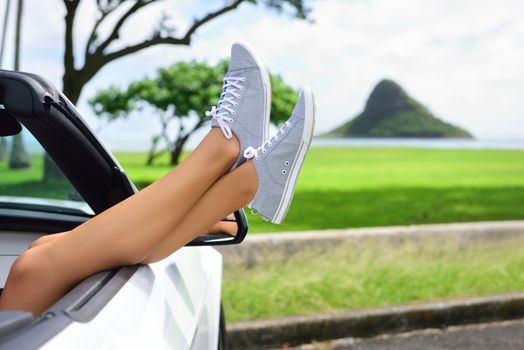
[(66, 139), (8, 124), (48, 208), (38, 221)]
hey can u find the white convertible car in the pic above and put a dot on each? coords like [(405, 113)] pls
[(172, 304)]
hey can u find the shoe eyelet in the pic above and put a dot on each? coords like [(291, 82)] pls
[(244, 79), (233, 112), (257, 158), (264, 151), (241, 88), (284, 172), (286, 162)]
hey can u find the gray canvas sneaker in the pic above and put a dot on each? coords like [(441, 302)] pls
[(245, 102), (278, 161)]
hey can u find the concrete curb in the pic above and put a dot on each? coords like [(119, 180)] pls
[(280, 246), (295, 330)]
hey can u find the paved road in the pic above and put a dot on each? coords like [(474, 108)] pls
[(507, 335)]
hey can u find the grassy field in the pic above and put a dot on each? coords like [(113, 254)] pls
[(376, 275), (358, 187), (29, 182)]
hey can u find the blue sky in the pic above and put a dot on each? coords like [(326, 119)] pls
[(463, 59)]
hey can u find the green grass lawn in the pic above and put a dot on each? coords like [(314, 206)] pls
[(28, 182), (357, 187), (378, 274), (8, 177)]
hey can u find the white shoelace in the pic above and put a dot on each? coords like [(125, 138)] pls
[(252, 152), (227, 104)]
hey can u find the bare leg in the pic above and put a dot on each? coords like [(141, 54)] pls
[(124, 234), (220, 226), (231, 192)]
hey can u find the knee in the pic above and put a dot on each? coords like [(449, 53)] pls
[(28, 266)]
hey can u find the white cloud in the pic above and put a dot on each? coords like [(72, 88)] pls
[(463, 59), (454, 57)]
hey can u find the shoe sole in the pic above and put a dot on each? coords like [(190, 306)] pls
[(307, 136), (267, 88)]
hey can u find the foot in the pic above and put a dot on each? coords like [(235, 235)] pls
[(278, 161), (245, 102)]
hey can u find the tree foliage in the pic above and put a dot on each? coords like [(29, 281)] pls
[(97, 52), (177, 93), (283, 99)]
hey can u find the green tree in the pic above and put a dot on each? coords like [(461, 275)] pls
[(98, 50), (283, 99), (177, 93), (113, 15)]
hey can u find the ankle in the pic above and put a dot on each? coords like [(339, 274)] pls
[(220, 148)]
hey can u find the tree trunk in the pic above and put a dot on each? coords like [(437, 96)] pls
[(19, 158), (72, 86), (150, 157), (3, 149), (18, 33), (177, 151), (152, 154), (4, 31)]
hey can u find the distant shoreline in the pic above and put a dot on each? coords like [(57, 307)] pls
[(135, 146), (438, 143)]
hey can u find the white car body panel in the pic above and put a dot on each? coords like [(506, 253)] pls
[(161, 307)]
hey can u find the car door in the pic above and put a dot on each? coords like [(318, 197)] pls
[(173, 304)]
